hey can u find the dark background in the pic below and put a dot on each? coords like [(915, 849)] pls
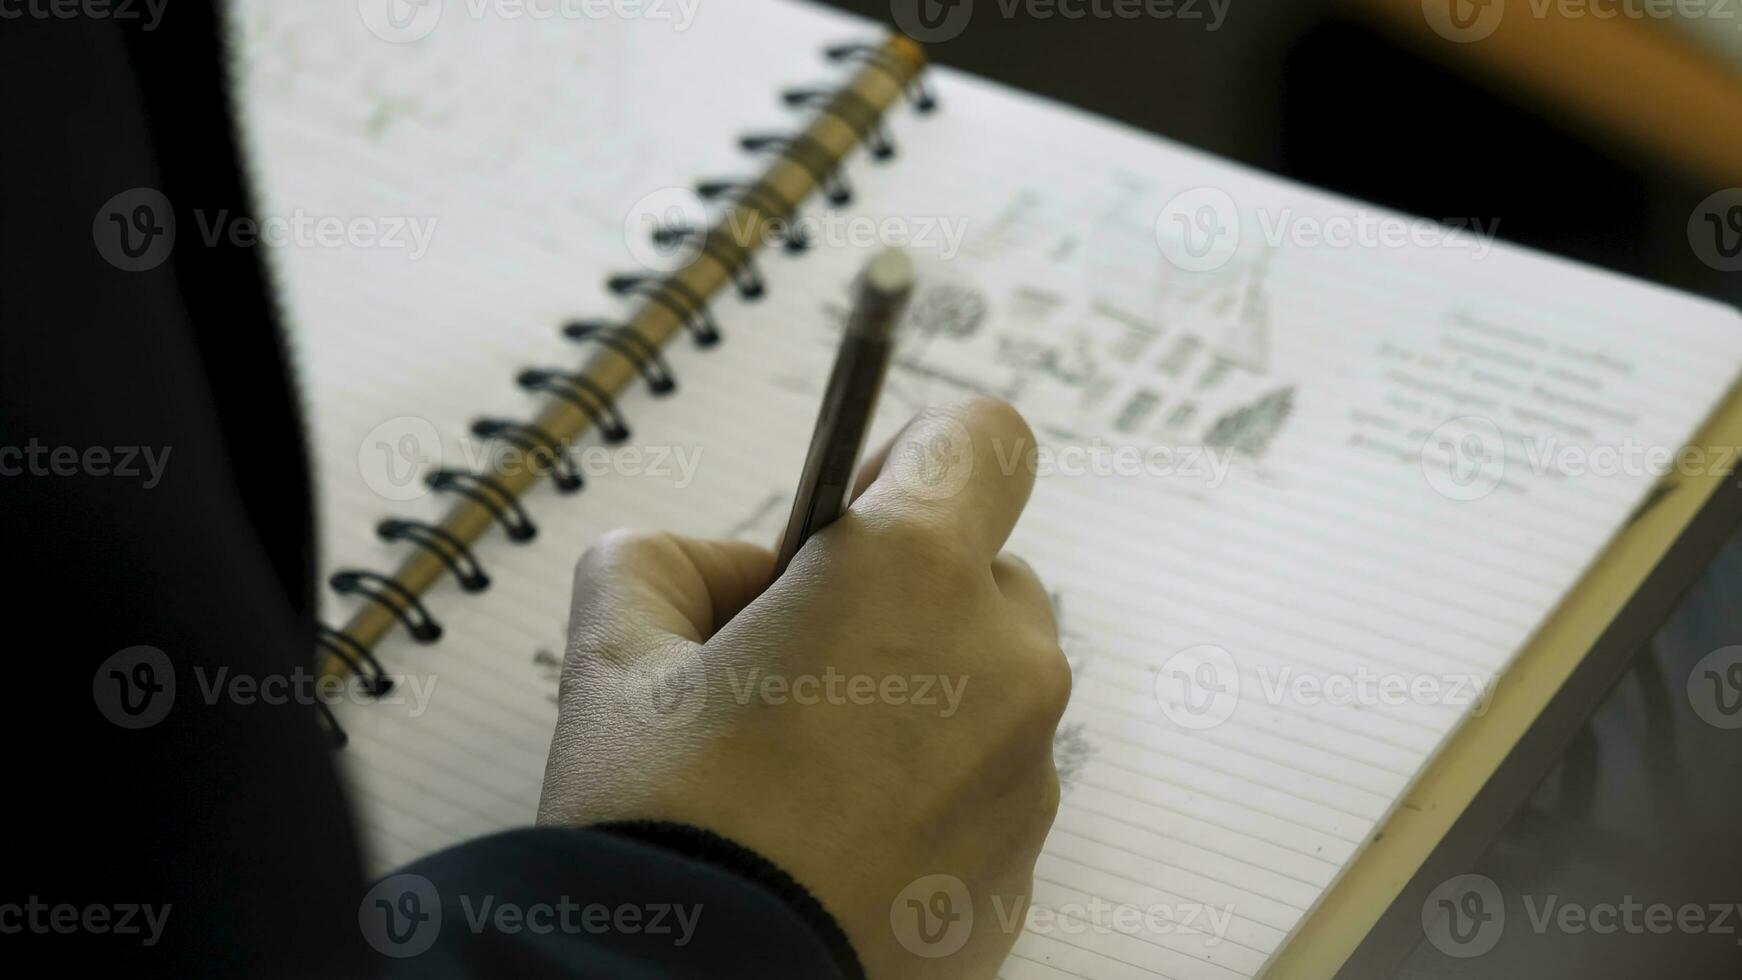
[(1319, 92), (1644, 801)]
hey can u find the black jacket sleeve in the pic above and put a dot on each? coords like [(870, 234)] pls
[(164, 816), (620, 900)]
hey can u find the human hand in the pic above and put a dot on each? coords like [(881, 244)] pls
[(880, 716)]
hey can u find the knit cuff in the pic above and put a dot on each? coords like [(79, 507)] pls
[(705, 845)]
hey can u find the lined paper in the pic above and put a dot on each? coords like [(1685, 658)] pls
[(1340, 533)]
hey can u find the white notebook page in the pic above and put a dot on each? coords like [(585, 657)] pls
[(1317, 553)]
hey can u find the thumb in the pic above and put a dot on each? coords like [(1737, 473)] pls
[(635, 590)]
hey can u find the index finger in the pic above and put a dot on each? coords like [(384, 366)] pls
[(967, 468)]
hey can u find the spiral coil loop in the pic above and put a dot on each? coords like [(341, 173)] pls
[(542, 447)]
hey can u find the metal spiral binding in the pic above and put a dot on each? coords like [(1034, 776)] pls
[(489, 493), (441, 543), (392, 596), (634, 347), (535, 443), (583, 393), (545, 450)]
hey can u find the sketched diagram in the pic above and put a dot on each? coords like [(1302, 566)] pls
[(549, 667), (1071, 747), (949, 310), (1250, 429)]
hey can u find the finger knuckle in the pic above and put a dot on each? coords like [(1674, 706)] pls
[(1050, 796), (621, 544), (925, 546), (1050, 681)]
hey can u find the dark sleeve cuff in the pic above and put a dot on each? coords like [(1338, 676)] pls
[(707, 846)]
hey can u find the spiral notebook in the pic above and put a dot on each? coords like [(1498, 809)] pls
[(1245, 456)]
